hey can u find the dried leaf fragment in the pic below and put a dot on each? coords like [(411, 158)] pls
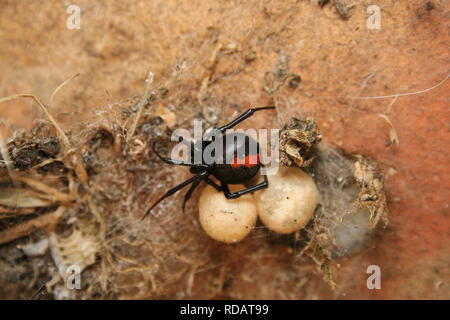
[(297, 139), (371, 182)]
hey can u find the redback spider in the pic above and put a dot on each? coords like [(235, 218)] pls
[(242, 165)]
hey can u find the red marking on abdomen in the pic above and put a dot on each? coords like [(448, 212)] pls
[(249, 161)]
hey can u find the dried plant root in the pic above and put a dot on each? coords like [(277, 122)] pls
[(29, 227), (61, 133)]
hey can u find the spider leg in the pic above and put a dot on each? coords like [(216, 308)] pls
[(183, 140), (247, 114), (175, 189), (193, 145), (213, 184), (177, 162), (195, 184), (237, 194), (190, 191)]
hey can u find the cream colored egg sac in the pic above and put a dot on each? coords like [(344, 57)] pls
[(289, 202), (226, 220)]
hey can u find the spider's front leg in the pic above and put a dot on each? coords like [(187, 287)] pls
[(247, 114)]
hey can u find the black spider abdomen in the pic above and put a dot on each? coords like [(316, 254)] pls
[(229, 175), (240, 162)]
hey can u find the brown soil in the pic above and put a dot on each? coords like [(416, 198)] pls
[(216, 59)]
